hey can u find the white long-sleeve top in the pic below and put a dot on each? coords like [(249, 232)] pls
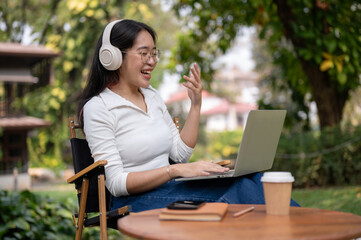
[(130, 139)]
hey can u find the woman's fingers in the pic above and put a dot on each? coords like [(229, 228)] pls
[(195, 74), (191, 84), (194, 85), (200, 168), (207, 167), (196, 71)]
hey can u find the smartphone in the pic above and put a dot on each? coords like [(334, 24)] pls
[(185, 205)]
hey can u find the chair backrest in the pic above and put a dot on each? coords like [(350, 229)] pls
[(82, 158), (176, 122)]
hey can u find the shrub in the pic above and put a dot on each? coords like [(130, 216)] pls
[(321, 158), (316, 158), (25, 215), (220, 145)]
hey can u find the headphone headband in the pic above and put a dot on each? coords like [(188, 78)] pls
[(108, 31)]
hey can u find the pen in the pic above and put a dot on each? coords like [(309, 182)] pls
[(244, 211)]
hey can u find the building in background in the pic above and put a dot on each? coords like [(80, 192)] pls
[(234, 95), (22, 69)]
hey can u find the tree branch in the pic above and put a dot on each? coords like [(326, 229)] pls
[(287, 16), (5, 16), (23, 19), (54, 5)]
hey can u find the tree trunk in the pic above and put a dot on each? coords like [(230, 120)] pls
[(329, 100)]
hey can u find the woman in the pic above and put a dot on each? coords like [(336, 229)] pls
[(127, 123)]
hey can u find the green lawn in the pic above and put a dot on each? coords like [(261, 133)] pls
[(345, 199), (59, 195)]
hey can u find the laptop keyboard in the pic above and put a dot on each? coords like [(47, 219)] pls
[(225, 174)]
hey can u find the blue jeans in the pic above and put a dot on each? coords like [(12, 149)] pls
[(241, 190)]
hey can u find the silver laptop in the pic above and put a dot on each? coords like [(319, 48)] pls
[(258, 147)]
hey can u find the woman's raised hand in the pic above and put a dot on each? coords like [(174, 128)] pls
[(194, 85)]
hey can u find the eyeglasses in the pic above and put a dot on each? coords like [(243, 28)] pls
[(145, 55)]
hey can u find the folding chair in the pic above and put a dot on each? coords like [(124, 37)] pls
[(89, 180)]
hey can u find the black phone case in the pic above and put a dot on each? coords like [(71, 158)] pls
[(184, 205)]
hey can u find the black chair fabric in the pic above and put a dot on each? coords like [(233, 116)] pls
[(82, 159)]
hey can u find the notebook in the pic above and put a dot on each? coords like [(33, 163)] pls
[(258, 147)]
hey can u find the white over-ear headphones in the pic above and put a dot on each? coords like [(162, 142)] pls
[(110, 56)]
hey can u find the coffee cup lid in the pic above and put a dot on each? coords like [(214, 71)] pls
[(277, 177)]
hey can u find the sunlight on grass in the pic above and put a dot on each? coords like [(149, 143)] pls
[(345, 199)]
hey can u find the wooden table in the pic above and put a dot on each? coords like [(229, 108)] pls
[(302, 223)]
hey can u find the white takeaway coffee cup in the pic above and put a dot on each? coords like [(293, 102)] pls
[(277, 187)]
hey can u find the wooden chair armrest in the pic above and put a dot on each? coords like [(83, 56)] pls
[(119, 212), (99, 163)]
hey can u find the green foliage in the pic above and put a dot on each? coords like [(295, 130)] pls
[(47, 144), (321, 158), (330, 157), (276, 82), (314, 45), (28, 215), (15, 20), (224, 145), (25, 215), (72, 27), (217, 146)]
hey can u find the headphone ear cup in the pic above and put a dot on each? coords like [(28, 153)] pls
[(110, 57)]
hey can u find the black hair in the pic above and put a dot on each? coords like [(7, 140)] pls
[(122, 36)]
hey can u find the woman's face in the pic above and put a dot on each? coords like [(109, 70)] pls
[(134, 71)]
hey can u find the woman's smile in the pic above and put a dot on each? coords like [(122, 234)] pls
[(146, 73)]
